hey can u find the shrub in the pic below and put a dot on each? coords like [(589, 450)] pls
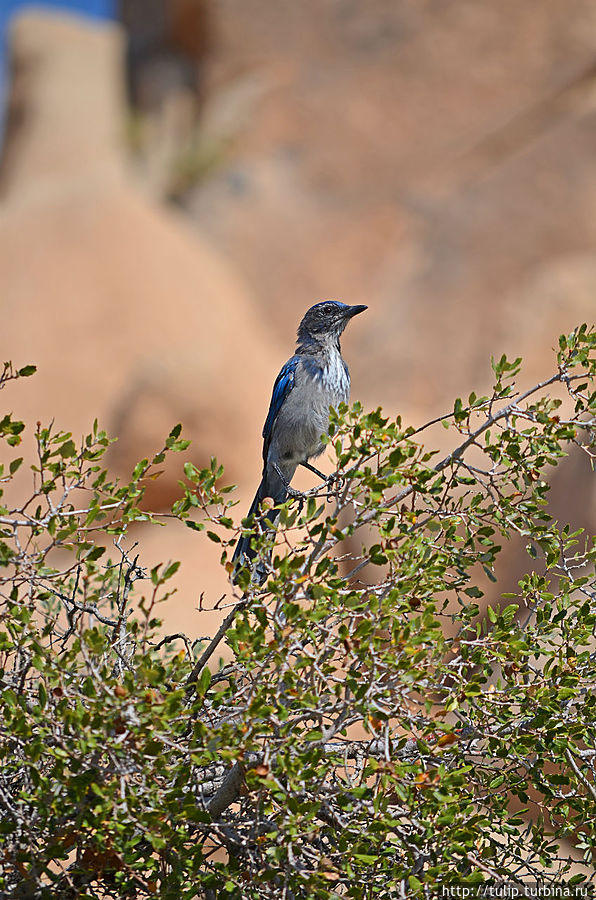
[(360, 738)]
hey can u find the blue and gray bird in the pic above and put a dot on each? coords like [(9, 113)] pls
[(314, 379)]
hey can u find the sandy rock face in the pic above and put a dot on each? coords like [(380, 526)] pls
[(434, 161), (129, 314), (427, 159)]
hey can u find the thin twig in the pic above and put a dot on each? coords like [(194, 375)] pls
[(587, 784), (210, 649)]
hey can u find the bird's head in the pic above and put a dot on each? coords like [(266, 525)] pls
[(325, 321)]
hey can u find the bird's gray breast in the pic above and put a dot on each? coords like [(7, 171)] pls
[(304, 416)]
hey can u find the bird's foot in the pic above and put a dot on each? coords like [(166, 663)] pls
[(292, 492), (296, 495), (334, 480), (333, 483)]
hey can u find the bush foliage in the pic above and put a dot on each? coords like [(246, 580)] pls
[(362, 724)]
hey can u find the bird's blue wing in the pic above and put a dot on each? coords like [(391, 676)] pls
[(282, 387)]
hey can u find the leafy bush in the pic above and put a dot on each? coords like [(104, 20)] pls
[(361, 738)]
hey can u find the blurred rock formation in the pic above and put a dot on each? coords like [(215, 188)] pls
[(166, 45), (435, 161), (129, 314)]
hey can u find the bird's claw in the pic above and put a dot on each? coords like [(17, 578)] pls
[(297, 495), (291, 492), (334, 483)]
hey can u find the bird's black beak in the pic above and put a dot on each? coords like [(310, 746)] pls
[(354, 310)]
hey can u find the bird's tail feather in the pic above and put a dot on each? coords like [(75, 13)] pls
[(245, 551)]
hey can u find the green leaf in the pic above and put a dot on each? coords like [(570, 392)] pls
[(95, 554), (203, 682), (67, 449), (170, 570), (195, 526), (139, 469), (14, 465)]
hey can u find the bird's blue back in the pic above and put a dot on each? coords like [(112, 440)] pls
[(281, 389)]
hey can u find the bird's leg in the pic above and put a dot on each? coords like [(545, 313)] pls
[(327, 479), (307, 465)]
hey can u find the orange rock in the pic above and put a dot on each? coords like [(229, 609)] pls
[(126, 309)]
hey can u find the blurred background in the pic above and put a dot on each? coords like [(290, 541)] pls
[(181, 179)]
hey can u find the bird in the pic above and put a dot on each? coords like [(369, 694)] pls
[(315, 378)]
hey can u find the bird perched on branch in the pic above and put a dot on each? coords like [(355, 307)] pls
[(314, 379)]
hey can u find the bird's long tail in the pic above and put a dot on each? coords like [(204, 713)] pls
[(263, 521)]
